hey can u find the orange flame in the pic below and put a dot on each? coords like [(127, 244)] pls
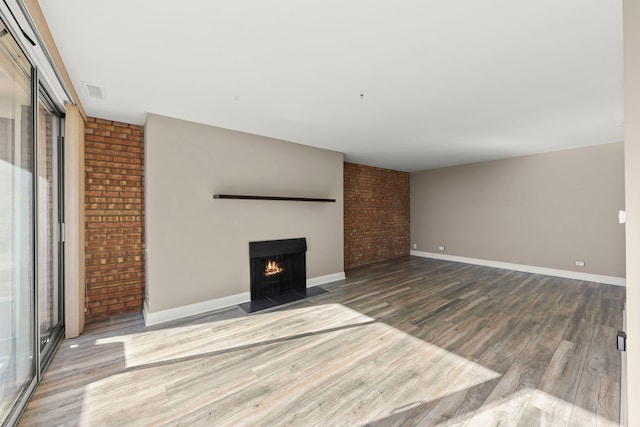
[(272, 268)]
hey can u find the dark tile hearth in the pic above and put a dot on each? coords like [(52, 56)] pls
[(276, 300)]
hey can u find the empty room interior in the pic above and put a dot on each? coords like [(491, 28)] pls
[(319, 213)]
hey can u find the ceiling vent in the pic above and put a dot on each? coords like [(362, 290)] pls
[(94, 91)]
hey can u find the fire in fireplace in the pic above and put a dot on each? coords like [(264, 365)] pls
[(272, 268)]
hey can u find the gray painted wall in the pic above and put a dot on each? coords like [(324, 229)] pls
[(546, 210), (197, 247)]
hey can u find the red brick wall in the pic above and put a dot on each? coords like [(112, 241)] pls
[(114, 221), (376, 215)]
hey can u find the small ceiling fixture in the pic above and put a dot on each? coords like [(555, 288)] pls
[(94, 91)]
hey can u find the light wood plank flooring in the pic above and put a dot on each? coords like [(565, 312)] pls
[(400, 343)]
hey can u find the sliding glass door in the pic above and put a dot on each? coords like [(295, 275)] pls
[(17, 243), (31, 228)]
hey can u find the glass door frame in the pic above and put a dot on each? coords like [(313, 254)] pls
[(47, 351), (42, 356)]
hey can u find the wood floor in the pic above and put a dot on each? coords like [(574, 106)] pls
[(407, 342)]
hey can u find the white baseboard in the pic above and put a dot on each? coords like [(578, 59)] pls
[(329, 278), (192, 309), (163, 316), (567, 274)]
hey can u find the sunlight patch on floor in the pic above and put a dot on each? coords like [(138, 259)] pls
[(274, 368), (224, 335)]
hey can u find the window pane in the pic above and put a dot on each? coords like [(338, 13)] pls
[(48, 227), (16, 224)]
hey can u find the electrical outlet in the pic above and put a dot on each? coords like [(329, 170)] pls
[(415, 246), (579, 263), (621, 341), (441, 248)]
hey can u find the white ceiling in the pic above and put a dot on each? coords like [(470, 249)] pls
[(405, 85)]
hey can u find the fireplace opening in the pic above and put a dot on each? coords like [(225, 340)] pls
[(278, 273), (278, 268)]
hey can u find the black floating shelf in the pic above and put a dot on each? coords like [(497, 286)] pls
[(289, 199)]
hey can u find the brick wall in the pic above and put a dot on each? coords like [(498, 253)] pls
[(376, 215), (114, 221)]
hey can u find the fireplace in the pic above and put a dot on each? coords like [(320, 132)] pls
[(278, 273), (278, 267)]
